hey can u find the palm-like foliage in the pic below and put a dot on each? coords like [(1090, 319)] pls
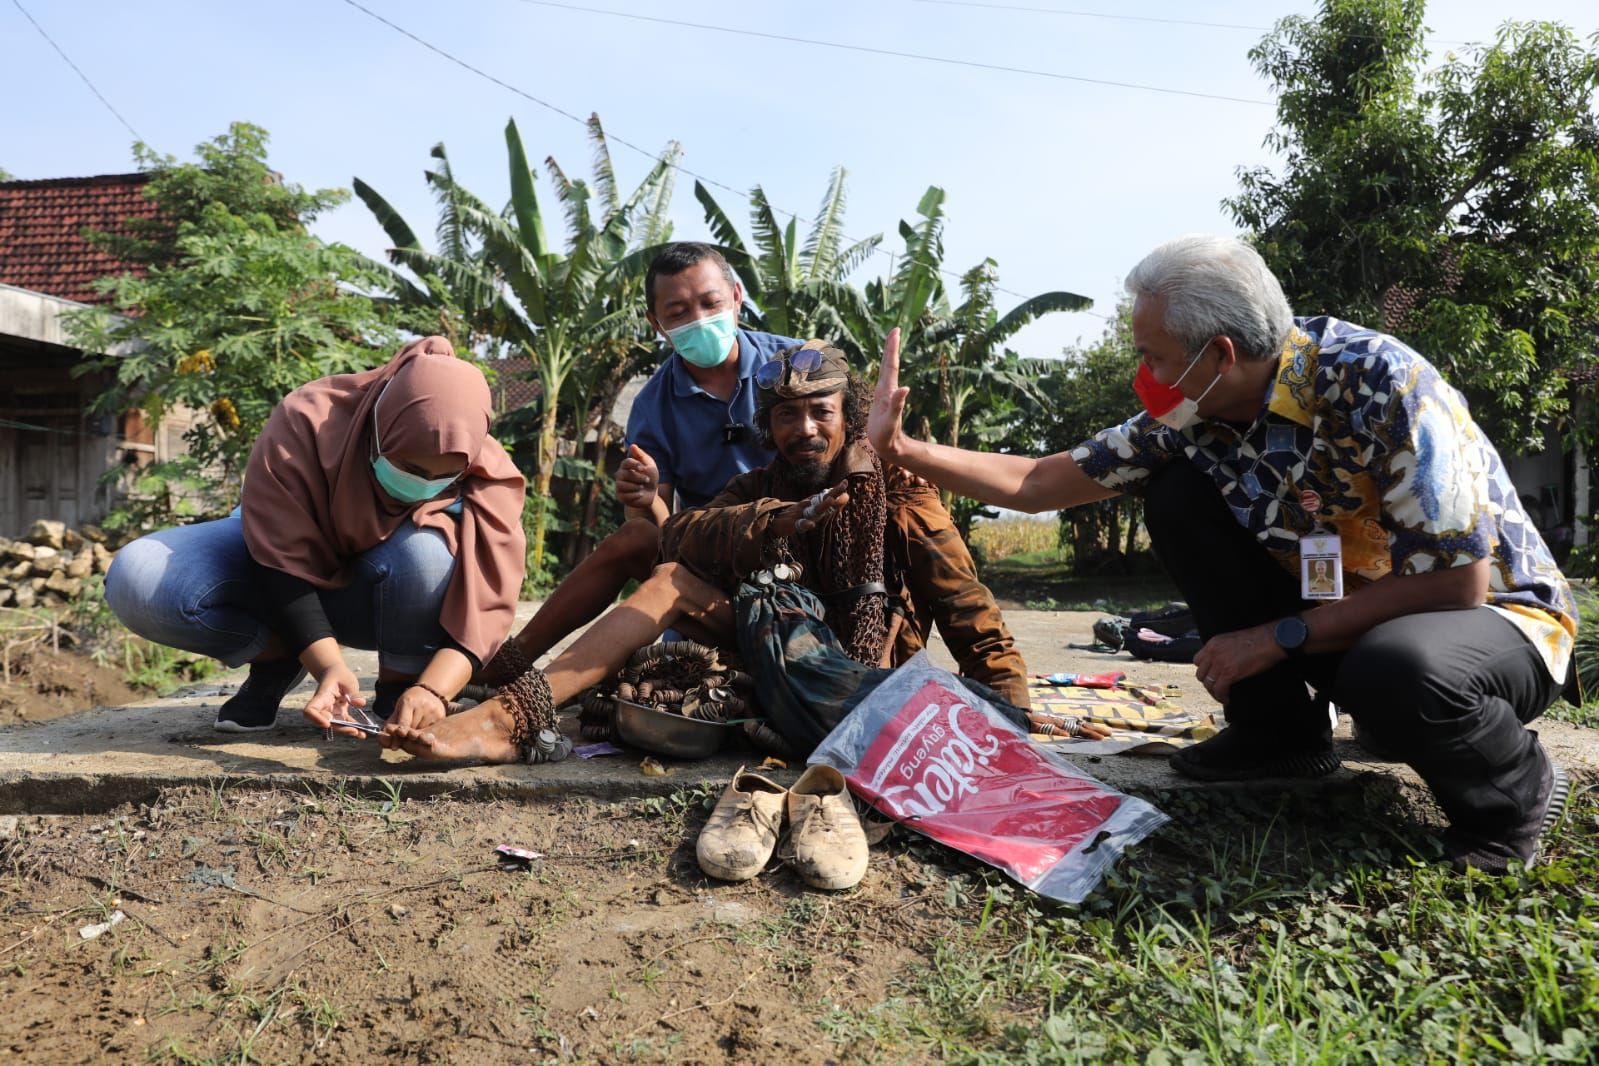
[(966, 386), (555, 306), (798, 287)]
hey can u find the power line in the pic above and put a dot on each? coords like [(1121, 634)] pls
[(947, 60), (1133, 18), (1095, 15), (464, 65), (68, 61)]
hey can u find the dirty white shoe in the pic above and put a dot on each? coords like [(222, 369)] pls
[(738, 840), (829, 845)]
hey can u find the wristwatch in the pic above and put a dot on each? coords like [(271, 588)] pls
[(1290, 635)]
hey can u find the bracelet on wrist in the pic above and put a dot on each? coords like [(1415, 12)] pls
[(435, 693)]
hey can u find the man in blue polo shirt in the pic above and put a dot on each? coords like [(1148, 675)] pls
[(691, 431)]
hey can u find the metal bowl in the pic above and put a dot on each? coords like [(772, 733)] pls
[(670, 734)]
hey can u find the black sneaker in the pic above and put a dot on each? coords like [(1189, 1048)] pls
[(1493, 855), (254, 708), (1231, 756)]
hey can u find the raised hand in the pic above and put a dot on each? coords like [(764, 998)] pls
[(638, 479), (888, 404)]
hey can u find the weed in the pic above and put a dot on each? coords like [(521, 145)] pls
[(681, 802), (1282, 933)]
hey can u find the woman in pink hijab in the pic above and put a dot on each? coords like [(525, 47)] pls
[(377, 513)]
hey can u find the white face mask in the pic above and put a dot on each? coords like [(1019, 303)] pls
[(1182, 412)]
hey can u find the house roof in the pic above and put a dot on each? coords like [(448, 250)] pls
[(41, 231)]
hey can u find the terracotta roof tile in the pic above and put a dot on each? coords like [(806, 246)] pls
[(41, 231), (515, 386)]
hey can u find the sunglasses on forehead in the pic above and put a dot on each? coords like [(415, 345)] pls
[(802, 363)]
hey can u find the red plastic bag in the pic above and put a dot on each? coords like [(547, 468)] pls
[(924, 750)]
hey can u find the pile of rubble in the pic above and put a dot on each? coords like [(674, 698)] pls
[(47, 568)]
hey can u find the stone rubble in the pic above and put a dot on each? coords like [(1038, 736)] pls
[(51, 564)]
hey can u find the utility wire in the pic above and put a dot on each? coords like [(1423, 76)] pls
[(68, 61), (948, 60), (464, 65), (1128, 18)]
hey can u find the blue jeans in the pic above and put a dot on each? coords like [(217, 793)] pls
[(194, 587)]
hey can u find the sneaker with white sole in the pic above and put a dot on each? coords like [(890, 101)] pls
[(830, 849), (254, 708), (738, 839)]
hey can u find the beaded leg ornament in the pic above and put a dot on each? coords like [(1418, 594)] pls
[(532, 708), (508, 664)]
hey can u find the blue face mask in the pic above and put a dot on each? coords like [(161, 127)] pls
[(402, 484), (706, 341)]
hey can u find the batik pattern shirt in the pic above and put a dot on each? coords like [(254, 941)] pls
[(1361, 425)]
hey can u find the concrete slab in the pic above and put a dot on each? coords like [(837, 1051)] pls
[(93, 761)]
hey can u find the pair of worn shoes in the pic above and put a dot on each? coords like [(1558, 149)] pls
[(1233, 755), (829, 845)]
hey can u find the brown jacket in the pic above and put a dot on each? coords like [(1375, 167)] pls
[(930, 575)]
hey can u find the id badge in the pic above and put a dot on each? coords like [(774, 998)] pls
[(1321, 567)]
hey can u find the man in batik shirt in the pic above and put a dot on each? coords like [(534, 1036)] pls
[(1269, 444)]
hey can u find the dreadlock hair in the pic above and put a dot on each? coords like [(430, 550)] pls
[(857, 405)]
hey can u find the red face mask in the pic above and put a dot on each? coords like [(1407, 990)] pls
[(1166, 404)]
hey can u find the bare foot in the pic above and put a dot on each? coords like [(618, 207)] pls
[(479, 735)]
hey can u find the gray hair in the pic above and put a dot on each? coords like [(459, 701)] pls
[(1213, 286)]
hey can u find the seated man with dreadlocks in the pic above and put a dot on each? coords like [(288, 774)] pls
[(881, 554)]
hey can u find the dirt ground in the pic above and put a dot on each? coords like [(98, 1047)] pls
[(281, 927), (44, 684)]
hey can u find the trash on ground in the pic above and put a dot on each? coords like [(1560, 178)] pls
[(510, 853), (89, 932), (924, 750)]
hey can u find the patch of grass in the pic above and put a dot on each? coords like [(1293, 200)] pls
[(156, 667), (1297, 932)]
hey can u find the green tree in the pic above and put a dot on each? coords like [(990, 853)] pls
[(1457, 207), (237, 304), (799, 288), (512, 284), (1089, 389)]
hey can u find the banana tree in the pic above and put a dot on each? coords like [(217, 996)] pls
[(798, 288), (546, 303), (956, 361), (612, 357), (456, 303)]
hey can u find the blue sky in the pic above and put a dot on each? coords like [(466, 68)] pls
[(1065, 183)]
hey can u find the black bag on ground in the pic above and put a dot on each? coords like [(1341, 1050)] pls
[(1175, 622), (805, 684)]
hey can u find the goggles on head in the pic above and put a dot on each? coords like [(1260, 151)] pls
[(801, 364)]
